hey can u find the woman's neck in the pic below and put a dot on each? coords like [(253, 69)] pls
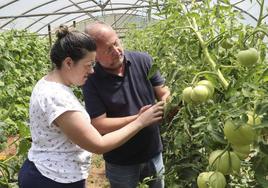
[(58, 77)]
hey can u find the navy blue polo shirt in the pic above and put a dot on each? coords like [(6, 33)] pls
[(120, 96)]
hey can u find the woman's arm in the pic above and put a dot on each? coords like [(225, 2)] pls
[(81, 132)]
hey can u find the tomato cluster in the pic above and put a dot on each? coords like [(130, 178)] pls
[(224, 161), (203, 91)]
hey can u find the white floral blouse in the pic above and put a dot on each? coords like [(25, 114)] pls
[(54, 155)]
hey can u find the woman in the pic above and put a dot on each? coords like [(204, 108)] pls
[(62, 135)]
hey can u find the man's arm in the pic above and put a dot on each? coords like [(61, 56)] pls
[(162, 93)]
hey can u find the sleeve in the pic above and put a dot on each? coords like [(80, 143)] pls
[(56, 105), (156, 79), (93, 103)]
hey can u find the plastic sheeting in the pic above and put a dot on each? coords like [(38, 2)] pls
[(36, 15)]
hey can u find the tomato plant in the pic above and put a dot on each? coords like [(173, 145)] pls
[(192, 36), (24, 60)]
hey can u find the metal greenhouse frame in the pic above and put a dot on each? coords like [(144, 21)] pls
[(43, 16)]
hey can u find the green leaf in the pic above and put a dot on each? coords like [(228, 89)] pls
[(261, 169), (218, 137), (198, 124), (152, 71), (23, 130), (8, 113), (261, 126), (24, 146), (263, 148), (264, 75), (261, 179), (262, 108), (265, 79), (244, 118)]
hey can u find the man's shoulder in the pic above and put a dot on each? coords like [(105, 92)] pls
[(137, 54)]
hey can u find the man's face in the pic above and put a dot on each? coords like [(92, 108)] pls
[(110, 53)]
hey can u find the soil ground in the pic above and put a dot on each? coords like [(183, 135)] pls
[(96, 177)]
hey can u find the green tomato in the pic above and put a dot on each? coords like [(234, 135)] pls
[(203, 180), (211, 180), (227, 43), (186, 94), (209, 85), (173, 63), (217, 180), (241, 156), (227, 163), (242, 151), (248, 57), (200, 94), (242, 135), (242, 148)]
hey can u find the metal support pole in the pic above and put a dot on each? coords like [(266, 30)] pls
[(149, 12), (49, 35)]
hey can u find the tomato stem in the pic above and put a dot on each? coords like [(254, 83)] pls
[(261, 13), (257, 30), (227, 148), (208, 58), (200, 73)]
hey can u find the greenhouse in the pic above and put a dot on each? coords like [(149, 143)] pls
[(206, 60)]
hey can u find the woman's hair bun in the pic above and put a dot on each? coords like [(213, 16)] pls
[(62, 31)]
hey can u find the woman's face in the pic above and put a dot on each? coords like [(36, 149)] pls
[(82, 69)]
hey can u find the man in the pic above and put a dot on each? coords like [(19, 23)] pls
[(114, 96)]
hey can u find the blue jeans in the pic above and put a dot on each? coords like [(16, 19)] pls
[(129, 176), (30, 177)]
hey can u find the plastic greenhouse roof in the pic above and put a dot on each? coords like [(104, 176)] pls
[(36, 15)]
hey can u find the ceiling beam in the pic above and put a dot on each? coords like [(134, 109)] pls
[(80, 8), (115, 22), (39, 20), (11, 2), (74, 12), (26, 12)]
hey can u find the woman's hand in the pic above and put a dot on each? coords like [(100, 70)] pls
[(144, 108), (150, 115)]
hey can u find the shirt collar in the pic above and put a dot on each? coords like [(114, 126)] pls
[(101, 72)]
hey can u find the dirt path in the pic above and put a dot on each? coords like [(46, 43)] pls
[(96, 178)]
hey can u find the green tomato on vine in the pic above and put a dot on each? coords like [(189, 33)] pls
[(248, 58)]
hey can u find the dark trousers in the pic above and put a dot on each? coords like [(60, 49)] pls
[(30, 177)]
